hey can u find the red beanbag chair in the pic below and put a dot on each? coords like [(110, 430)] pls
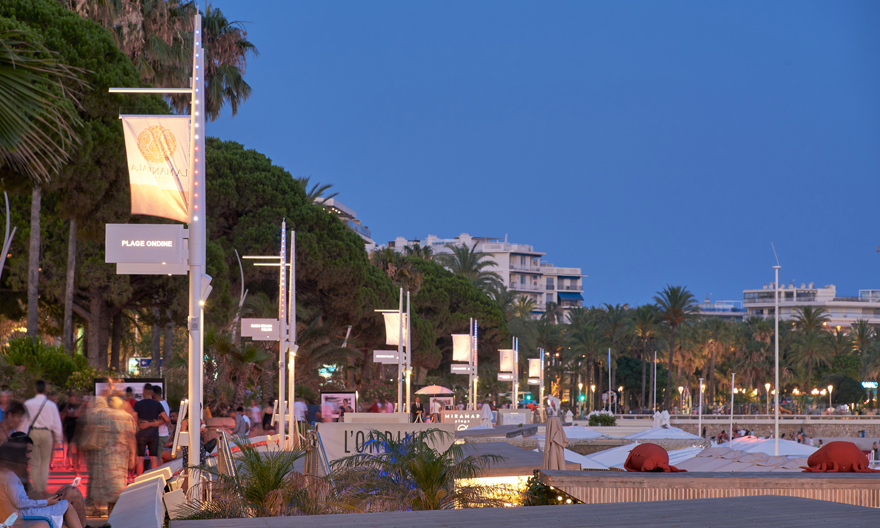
[(649, 457), (838, 457)]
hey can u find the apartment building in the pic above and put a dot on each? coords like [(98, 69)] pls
[(349, 217), (727, 310), (842, 311), (522, 269)]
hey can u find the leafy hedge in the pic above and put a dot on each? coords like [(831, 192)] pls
[(42, 361)]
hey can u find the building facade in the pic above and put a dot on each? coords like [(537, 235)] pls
[(522, 269), (841, 311), (349, 217)]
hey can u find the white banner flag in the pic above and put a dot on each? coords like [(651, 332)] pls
[(506, 360), (392, 328), (461, 347), (534, 368), (158, 152)]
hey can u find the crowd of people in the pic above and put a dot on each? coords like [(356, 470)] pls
[(116, 435)]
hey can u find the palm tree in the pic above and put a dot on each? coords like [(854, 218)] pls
[(811, 348), (808, 318), (524, 306), (398, 268), (676, 305), (38, 120), (717, 335), (587, 341), (315, 195), (410, 474), (645, 329), (157, 37), (471, 264), (554, 312), (615, 323), (505, 299), (840, 343), (419, 251), (862, 335)]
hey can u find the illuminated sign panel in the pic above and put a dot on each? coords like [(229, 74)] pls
[(260, 329), (144, 244)]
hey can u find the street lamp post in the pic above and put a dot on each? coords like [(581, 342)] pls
[(776, 362), (620, 402), (580, 392), (680, 397), (830, 388), (592, 397), (767, 388)]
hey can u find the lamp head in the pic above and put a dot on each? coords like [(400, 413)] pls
[(767, 386), (830, 388)]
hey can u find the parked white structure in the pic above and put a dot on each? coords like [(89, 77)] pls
[(350, 219), (842, 311), (521, 269)]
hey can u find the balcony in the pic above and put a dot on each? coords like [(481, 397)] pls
[(528, 268), (569, 288), (525, 287)]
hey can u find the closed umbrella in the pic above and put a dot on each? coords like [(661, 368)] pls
[(486, 415), (554, 445), (434, 390)]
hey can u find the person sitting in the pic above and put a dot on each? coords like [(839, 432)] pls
[(12, 422), (14, 457)]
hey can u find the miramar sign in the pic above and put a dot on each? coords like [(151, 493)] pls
[(346, 439), (461, 419)]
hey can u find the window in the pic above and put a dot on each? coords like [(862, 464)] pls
[(522, 279), (551, 297), (549, 283)]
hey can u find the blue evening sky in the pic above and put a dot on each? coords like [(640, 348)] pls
[(645, 142)]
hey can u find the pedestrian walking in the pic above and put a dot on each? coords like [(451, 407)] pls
[(43, 426), (111, 462)]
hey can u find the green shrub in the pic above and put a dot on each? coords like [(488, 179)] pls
[(43, 361), (602, 419)]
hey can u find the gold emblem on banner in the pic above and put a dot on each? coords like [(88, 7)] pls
[(157, 144)]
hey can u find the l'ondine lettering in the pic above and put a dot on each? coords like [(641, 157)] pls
[(148, 243)]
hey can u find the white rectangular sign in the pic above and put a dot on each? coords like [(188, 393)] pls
[(461, 419), (506, 361), (505, 376), (392, 328), (385, 356), (461, 347), (534, 381), (346, 439), (158, 153), (460, 368), (144, 243), (535, 368), (260, 329)]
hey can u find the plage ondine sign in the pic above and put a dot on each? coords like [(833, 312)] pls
[(144, 243), (346, 439)]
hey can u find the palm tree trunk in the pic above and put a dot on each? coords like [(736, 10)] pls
[(116, 341), (169, 339), (156, 348), (67, 330), (711, 376), (34, 263), (666, 397), (96, 300)]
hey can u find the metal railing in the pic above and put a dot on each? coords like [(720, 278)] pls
[(525, 287)]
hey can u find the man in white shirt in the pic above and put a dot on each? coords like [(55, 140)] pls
[(299, 410), (163, 429), (43, 424)]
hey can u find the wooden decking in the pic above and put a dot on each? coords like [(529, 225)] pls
[(596, 487), (770, 511)]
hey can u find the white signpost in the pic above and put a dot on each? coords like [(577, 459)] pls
[(385, 356), (464, 348), (156, 146)]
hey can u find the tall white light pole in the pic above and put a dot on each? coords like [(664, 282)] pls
[(776, 363), (400, 359), (292, 347), (408, 351), (541, 390), (610, 392), (282, 340)]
